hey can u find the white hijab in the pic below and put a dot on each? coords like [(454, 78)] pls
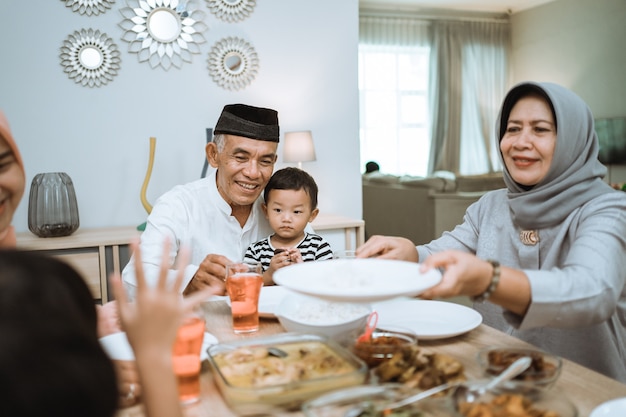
[(575, 176)]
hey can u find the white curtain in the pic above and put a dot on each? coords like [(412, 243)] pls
[(469, 74), (467, 80), (393, 31)]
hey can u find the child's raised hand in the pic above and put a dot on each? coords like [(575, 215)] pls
[(153, 319)]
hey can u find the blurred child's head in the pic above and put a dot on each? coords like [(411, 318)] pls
[(290, 201), (52, 362)]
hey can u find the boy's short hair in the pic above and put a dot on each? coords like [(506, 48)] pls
[(292, 179)]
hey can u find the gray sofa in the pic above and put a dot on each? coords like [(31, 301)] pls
[(417, 208)]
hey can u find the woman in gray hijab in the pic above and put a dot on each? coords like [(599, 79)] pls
[(543, 259)]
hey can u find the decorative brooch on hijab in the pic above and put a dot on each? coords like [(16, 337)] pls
[(529, 237)]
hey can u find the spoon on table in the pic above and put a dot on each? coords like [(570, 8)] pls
[(276, 352), (466, 394), (461, 392)]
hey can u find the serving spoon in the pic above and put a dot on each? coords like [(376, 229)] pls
[(461, 392)]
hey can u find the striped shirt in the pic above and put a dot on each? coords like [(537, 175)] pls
[(312, 248)]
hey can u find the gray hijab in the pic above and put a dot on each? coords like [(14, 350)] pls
[(575, 176)]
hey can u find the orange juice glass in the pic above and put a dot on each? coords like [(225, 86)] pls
[(243, 283), (186, 358)]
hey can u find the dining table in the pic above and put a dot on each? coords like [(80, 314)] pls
[(585, 388)]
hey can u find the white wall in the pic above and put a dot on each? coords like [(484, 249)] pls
[(576, 43), (100, 136), (579, 44)]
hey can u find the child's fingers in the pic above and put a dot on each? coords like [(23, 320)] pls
[(198, 297), (139, 276), (119, 293), (164, 267), (184, 254)]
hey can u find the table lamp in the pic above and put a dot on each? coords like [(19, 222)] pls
[(299, 147)]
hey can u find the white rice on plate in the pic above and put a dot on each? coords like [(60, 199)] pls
[(322, 312)]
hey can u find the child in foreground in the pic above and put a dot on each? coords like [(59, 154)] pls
[(290, 204)]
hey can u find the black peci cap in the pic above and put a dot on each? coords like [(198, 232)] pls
[(248, 121)]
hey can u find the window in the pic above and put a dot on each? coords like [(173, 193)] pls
[(394, 116), (430, 90)]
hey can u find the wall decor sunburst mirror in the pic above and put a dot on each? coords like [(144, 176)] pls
[(231, 10), (163, 33), (89, 7), (90, 57), (233, 63)]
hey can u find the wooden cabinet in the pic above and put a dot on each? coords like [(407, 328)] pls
[(95, 253)]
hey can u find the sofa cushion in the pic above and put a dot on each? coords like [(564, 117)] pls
[(432, 183), (486, 182), (378, 177)]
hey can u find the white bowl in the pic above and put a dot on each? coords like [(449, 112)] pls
[(339, 321), (117, 347)]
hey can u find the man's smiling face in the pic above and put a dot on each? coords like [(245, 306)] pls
[(244, 167)]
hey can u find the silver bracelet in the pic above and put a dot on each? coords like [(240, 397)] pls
[(495, 279)]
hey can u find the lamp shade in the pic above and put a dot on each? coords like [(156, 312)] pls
[(298, 147)]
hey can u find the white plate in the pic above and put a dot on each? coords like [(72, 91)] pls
[(613, 408), (269, 299), (428, 319), (117, 347), (357, 280)]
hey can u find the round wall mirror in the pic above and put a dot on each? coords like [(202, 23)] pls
[(233, 63), (164, 25), (164, 33), (90, 57)]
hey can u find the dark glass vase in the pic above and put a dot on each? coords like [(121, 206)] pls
[(52, 206)]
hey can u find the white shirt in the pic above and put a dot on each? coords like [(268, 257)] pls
[(194, 215)]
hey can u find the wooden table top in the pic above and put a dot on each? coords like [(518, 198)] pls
[(584, 387)]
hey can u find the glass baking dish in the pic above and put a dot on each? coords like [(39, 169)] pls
[(244, 372)]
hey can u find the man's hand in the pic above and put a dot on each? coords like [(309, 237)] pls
[(128, 383), (211, 274)]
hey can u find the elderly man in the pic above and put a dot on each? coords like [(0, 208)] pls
[(219, 216)]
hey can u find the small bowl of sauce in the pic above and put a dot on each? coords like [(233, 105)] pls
[(382, 345)]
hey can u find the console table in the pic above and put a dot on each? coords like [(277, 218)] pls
[(96, 254), (333, 221)]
